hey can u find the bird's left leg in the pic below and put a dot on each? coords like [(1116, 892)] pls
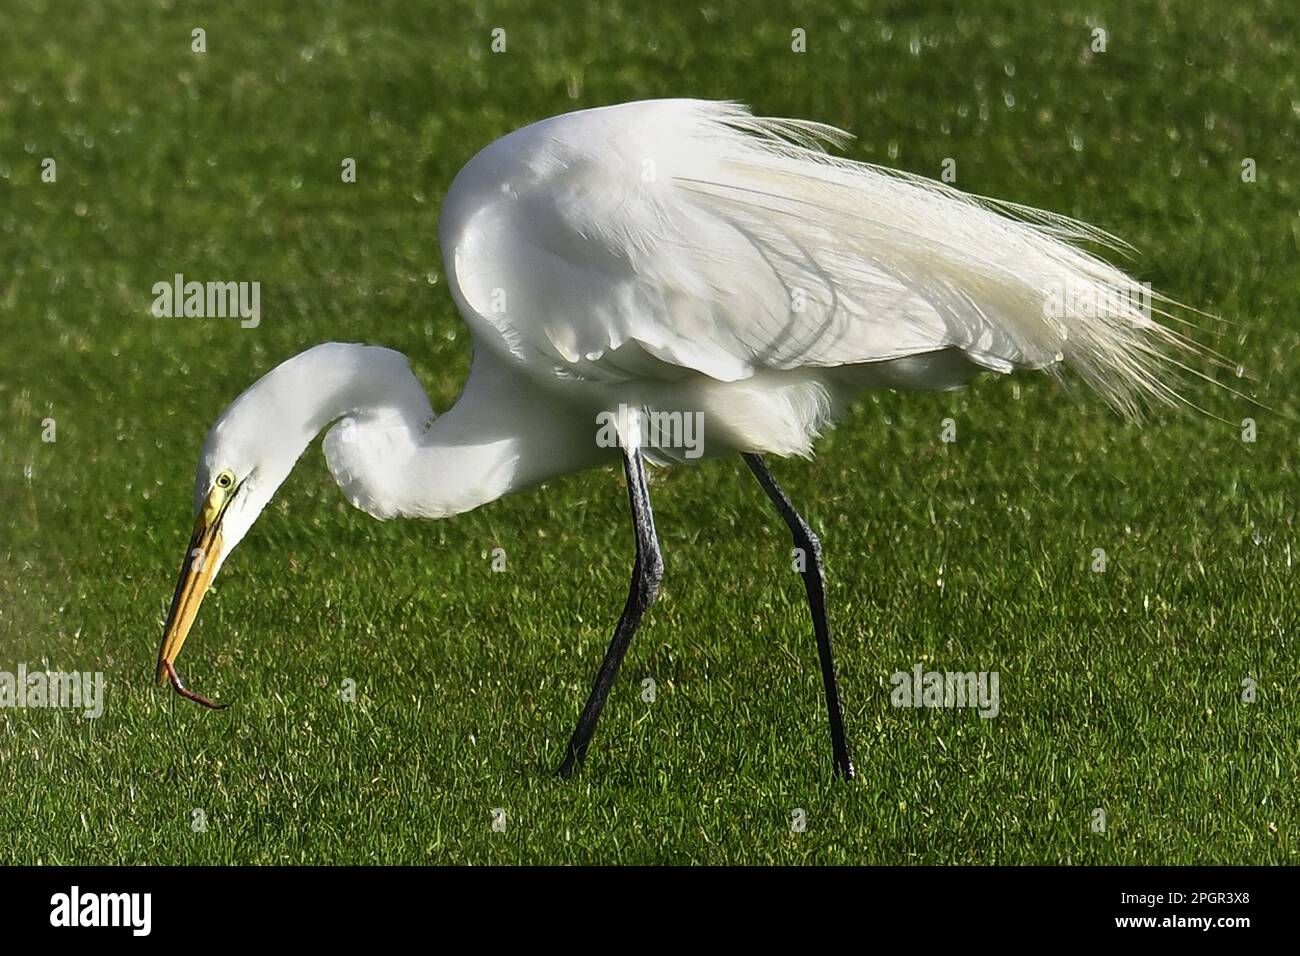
[(646, 575), (814, 580)]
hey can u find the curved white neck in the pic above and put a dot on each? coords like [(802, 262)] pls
[(392, 457)]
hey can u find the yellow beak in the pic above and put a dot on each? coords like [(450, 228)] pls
[(197, 569)]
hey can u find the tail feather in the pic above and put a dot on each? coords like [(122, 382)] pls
[(1011, 283)]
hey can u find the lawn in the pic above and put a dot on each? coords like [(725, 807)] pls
[(1161, 691)]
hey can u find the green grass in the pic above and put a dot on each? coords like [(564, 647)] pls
[(1120, 690)]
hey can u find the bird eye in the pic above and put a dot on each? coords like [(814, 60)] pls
[(225, 480)]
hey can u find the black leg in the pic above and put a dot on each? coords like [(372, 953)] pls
[(814, 581), (646, 575)]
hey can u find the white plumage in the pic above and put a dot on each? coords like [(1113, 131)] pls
[(686, 257), (665, 240)]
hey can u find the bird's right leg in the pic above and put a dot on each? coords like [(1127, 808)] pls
[(647, 572), (814, 579)]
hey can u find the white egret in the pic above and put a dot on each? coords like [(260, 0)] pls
[(676, 257)]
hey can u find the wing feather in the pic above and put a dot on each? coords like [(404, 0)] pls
[(679, 237)]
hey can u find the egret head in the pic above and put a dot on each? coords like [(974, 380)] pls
[(257, 440), (248, 454)]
